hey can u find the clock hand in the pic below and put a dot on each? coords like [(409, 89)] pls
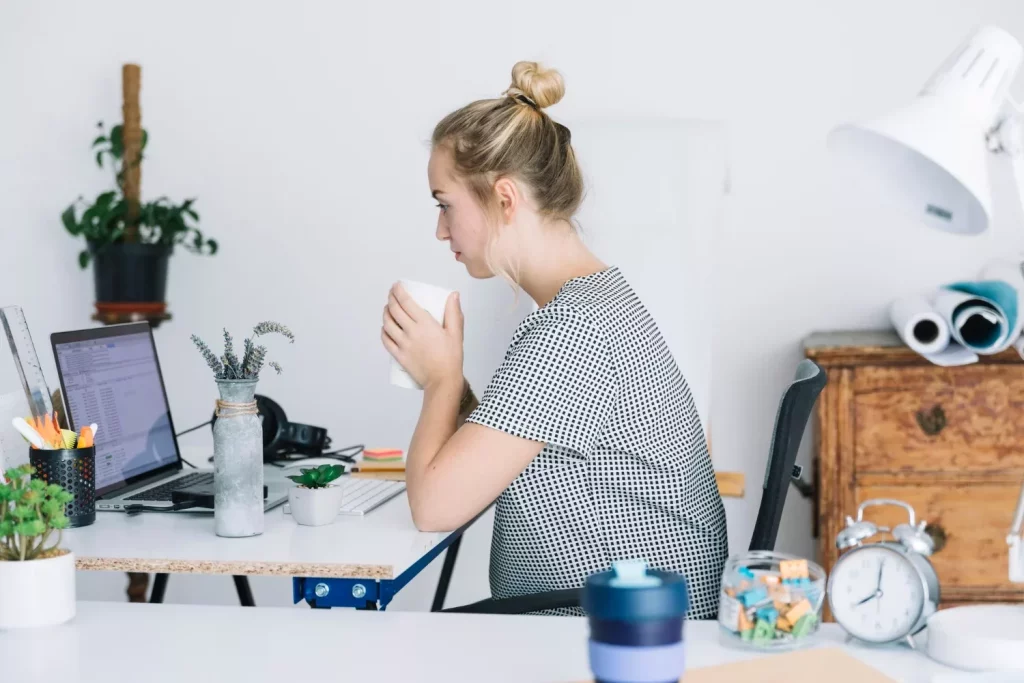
[(880, 565), (870, 597)]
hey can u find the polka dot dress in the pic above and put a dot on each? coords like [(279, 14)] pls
[(625, 472)]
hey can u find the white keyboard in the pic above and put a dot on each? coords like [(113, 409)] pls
[(359, 496)]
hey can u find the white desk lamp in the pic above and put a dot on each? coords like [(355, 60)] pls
[(929, 160)]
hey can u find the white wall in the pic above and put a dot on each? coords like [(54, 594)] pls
[(294, 124)]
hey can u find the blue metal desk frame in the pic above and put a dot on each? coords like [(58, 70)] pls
[(373, 594)]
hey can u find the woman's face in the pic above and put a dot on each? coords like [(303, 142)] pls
[(461, 221)]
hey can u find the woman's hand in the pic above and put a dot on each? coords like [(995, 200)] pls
[(429, 352)]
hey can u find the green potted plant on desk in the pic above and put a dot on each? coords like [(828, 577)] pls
[(314, 500), (37, 576)]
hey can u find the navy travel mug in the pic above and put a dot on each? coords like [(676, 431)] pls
[(636, 624)]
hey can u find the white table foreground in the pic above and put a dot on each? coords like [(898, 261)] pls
[(114, 642)]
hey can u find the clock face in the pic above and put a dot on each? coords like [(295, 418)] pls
[(876, 594)]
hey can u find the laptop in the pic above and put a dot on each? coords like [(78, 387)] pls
[(111, 376)]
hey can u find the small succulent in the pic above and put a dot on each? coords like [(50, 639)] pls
[(30, 511), (230, 366), (317, 477)]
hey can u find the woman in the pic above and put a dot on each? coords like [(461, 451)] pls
[(587, 434)]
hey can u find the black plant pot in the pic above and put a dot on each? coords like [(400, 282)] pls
[(130, 272)]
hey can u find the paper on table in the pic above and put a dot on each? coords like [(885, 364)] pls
[(1012, 273), (803, 666), (978, 322), (921, 328)]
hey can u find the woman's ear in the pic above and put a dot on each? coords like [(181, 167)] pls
[(508, 198)]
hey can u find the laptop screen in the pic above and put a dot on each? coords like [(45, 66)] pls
[(115, 382)]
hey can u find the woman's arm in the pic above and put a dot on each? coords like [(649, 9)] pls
[(453, 470), (453, 473)]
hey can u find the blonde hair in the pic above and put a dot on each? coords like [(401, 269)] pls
[(511, 136)]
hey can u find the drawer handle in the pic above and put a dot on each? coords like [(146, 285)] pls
[(931, 422), (938, 535)]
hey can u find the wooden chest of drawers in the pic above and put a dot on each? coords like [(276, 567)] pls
[(948, 441)]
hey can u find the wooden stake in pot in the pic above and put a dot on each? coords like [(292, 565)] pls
[(131, 136)]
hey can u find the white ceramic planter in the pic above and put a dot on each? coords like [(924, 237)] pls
[(37, 592), (315, 507)]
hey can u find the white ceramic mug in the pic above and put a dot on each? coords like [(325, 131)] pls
[(433, 300)]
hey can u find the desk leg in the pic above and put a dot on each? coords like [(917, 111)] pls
[(159, 588), (244, 591), (137, 585), (446, 575)]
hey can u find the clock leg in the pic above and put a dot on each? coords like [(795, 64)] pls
[(910, 642)]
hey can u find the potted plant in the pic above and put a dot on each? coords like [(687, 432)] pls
[(37, 576), (238, 433), (314, 500), (130, 243)]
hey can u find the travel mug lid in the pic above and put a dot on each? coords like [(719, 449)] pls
[(632, 592)]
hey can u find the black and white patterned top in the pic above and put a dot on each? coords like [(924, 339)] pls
[(625, 472)]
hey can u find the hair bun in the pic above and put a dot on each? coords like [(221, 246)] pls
[(543, 86)]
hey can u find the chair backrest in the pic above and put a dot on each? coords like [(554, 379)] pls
[(790, 422)]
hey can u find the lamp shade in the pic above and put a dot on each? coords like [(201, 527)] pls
[(929, 158)]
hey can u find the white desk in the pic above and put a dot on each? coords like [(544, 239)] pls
[(382, 546), (113, 642)]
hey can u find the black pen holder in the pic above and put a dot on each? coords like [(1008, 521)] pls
[(74, 469)]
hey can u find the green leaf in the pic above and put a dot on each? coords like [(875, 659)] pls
[(105, 199), (212, 244), (30, 528), (6, 528), (21, 512), (145, 139), (83, 259), (100, 140), (53, 489), (68, 219), (52, 508), (37, 485), (59, 522), (64, 497), (116, 142), (99, 158)]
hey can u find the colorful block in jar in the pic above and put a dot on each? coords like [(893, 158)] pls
[(744, 622), (729, 611), (768, 614), (797, 611), (793, 569), (763, 631), (754, 596), (804, 625)]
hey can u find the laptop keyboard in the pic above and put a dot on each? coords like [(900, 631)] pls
[(162, 493)]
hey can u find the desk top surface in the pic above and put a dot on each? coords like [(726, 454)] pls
[(172, 643), (380, 545)]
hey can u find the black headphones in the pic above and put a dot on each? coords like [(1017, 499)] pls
[(282, 438)]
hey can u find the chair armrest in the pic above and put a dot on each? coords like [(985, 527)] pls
[(522, 604)]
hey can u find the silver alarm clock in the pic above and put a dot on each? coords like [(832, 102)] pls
[(883, 592)]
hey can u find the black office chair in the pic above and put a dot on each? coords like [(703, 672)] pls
[(790, 423)]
